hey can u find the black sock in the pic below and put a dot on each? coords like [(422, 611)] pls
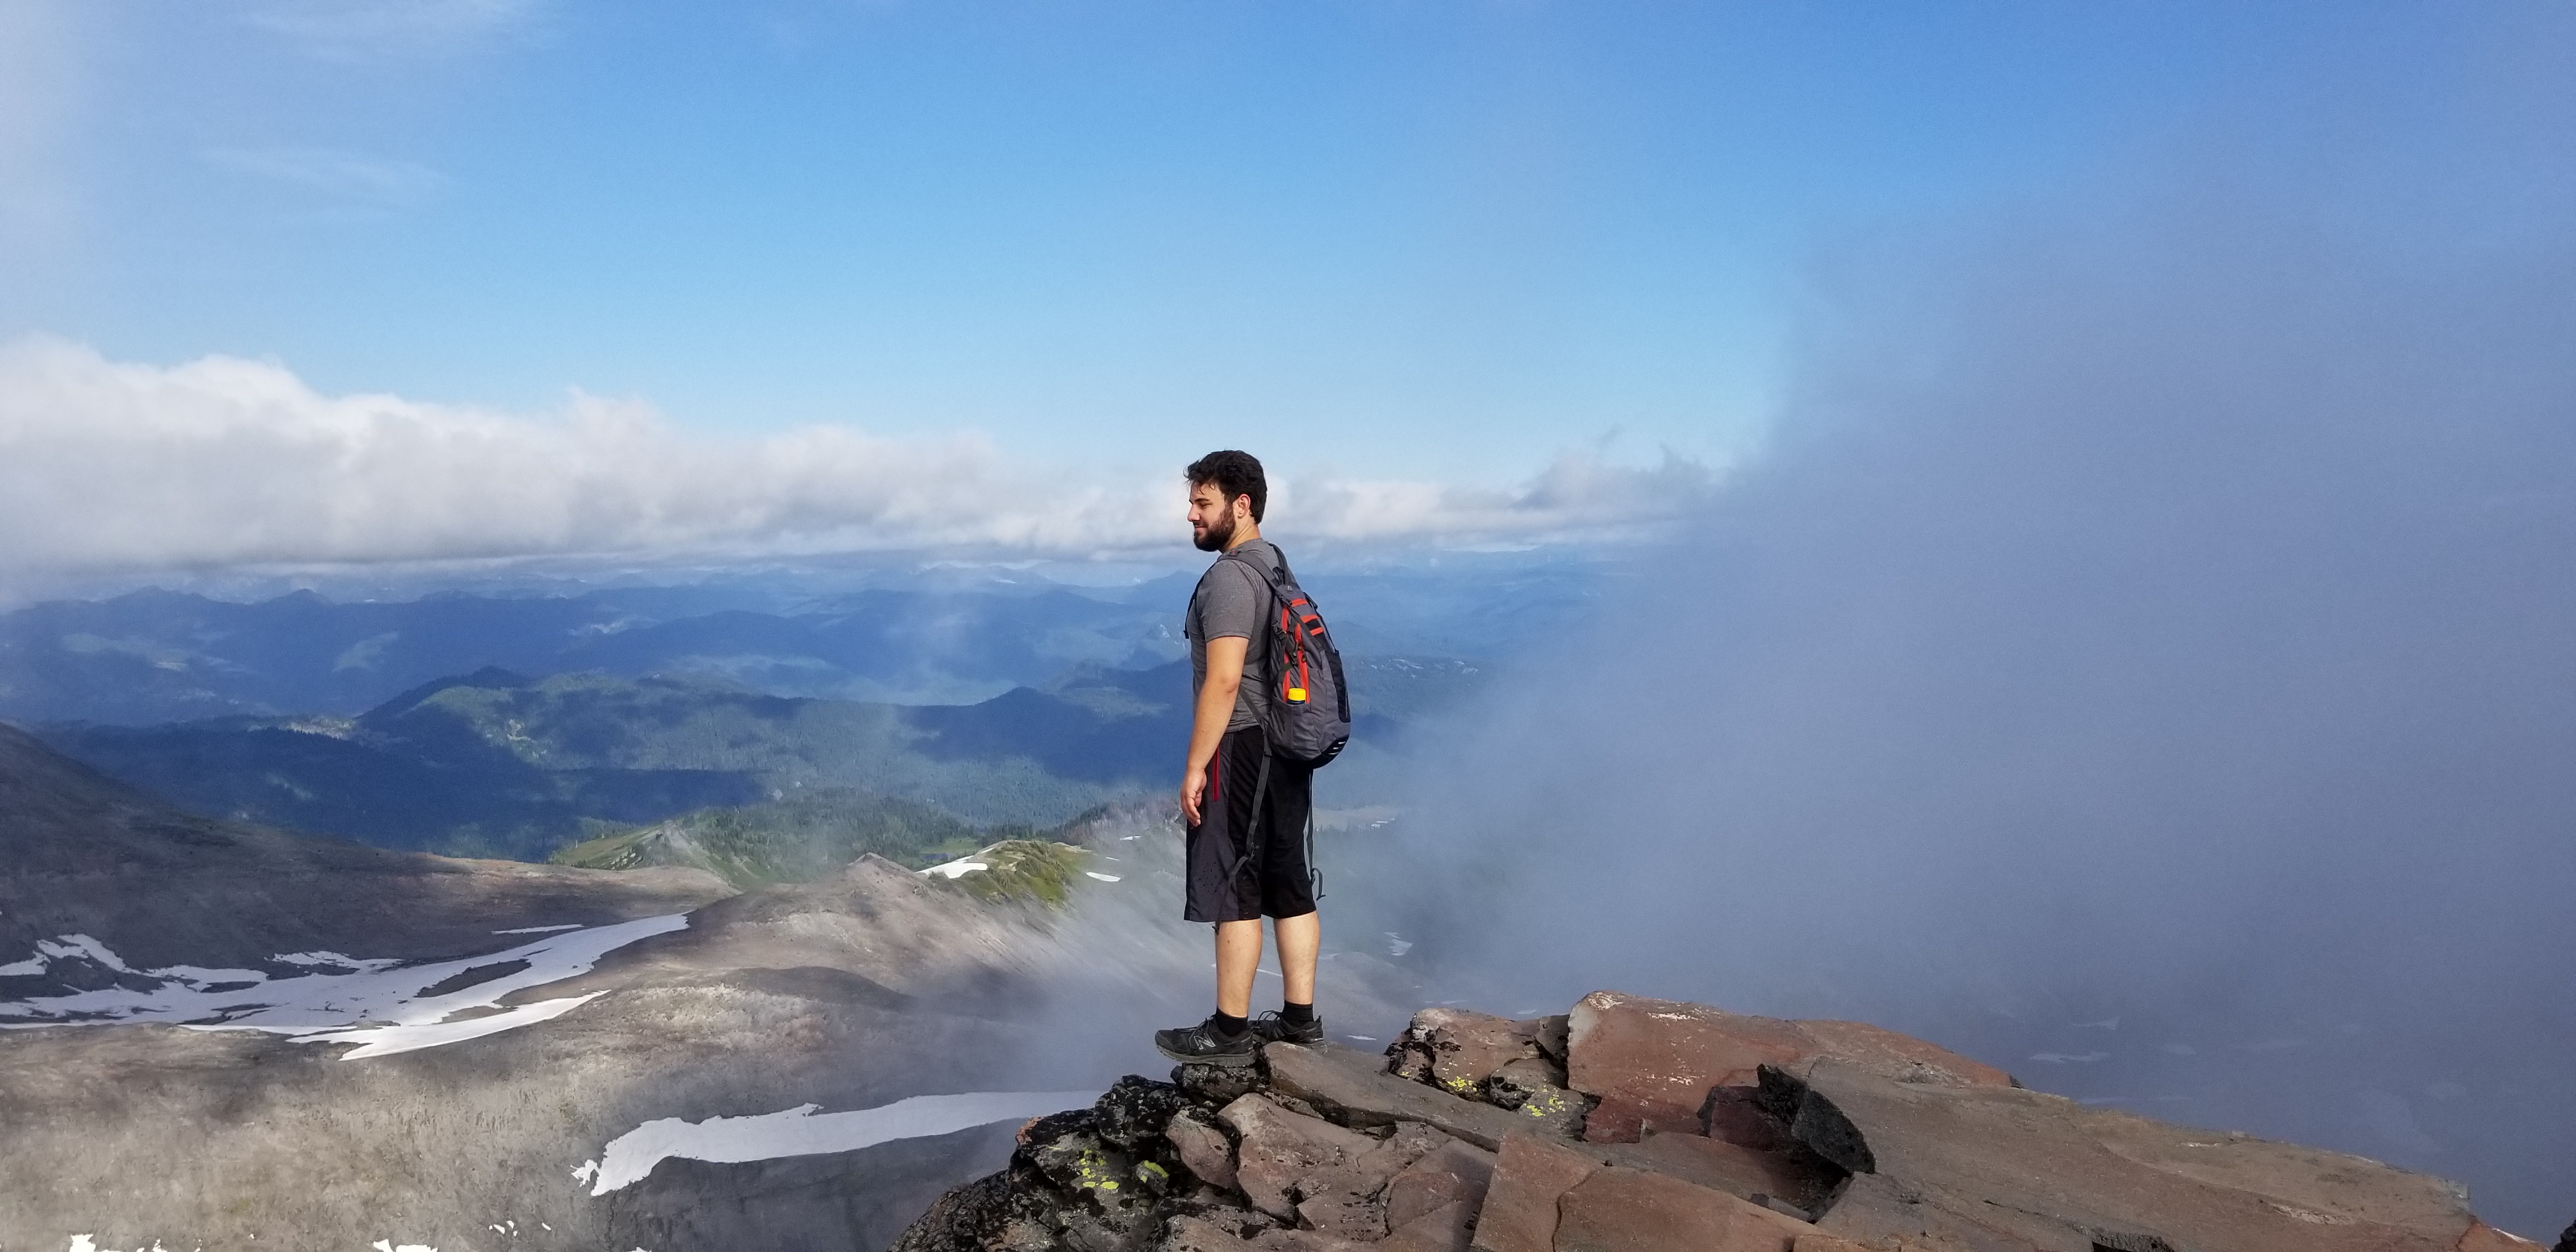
[(1229, 1024), (1296, 1014)]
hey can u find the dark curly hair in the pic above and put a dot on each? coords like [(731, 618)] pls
[(1235, 474)]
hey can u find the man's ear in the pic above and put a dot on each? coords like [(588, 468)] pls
[(1243, 507)]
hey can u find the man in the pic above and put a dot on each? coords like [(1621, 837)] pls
[(1246, 810)]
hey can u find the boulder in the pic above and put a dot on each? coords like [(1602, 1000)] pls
[(1276, 1148), (1508, 1086), (1742, 1134), (1652, 1064), (1444, 1229), (1203, 1148), (1134, 1110), (1530, 1175), (1350, 1200), (1215, 1084), (1350, 1088), (1799, 1178), (1984, 1165), (1457, 1173), (1617, 1209), (1195, 1234), (1456, 1050)]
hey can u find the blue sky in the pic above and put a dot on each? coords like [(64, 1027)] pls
[(1418, 242)]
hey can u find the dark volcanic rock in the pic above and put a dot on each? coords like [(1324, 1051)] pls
[(1133, 1111), (1215, 1084)]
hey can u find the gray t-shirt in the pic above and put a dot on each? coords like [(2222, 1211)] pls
[(1229, 604)]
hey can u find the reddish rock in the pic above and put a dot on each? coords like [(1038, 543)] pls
[(1350, 1088), (1735, 1114), (1828, 1243), (1798, 1177), (1350, 1200), (1194, 1234), (1191, 1234), (1276, 1148), (2486, 1238), (1997, 1166), (1653, 1063), (1530, 1175), (1506, 1086), (1444, 1229), (1549, 1033), (1456, 1050), (1456, 1174), (1900, 1057), (1626, 1210), (1203, 1148)]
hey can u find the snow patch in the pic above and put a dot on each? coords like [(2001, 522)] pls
[(539, 930), (957, 868), (1102, 877), (378, 1003), (80, 945), (799, 1132), (334, 958)]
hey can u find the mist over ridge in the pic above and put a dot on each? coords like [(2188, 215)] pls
[(2160, 616)]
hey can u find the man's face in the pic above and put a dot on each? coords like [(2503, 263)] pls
[(1211, 517)]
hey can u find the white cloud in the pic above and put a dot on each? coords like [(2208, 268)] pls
[(223, 461), (332, 172)]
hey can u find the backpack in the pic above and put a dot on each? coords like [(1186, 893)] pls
[(1310, 707)]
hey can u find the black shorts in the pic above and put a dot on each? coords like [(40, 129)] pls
[(1223, 887)]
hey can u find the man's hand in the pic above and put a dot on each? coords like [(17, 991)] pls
[(1215, 707)]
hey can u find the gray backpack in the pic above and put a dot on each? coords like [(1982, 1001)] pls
[(1310, 708)]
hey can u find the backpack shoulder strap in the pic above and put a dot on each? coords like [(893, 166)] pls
[(1270, 582)]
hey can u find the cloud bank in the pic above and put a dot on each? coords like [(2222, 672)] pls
[(111, 466), (2147, 659)]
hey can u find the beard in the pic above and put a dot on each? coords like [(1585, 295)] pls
[(1216, 536)]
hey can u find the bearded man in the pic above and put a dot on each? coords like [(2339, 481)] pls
[(1244, 808)]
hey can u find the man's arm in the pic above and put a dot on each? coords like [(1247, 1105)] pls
[(1215, 709)]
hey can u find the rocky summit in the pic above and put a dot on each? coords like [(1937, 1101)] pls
[(1640, 1125)]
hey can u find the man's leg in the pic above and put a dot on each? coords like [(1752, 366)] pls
[(1300, 937), (1238, 955)]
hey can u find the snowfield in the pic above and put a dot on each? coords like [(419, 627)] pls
[(799, 1132), (383, 1005)]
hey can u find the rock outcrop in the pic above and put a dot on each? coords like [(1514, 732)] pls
[(1638, 1125)]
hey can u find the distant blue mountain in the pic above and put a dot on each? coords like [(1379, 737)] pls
[(160, 656)]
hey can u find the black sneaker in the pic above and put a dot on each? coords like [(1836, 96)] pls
[(1273, 1028), (1205, 1044)]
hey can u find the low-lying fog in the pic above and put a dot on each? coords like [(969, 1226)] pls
[(2147, 659)]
